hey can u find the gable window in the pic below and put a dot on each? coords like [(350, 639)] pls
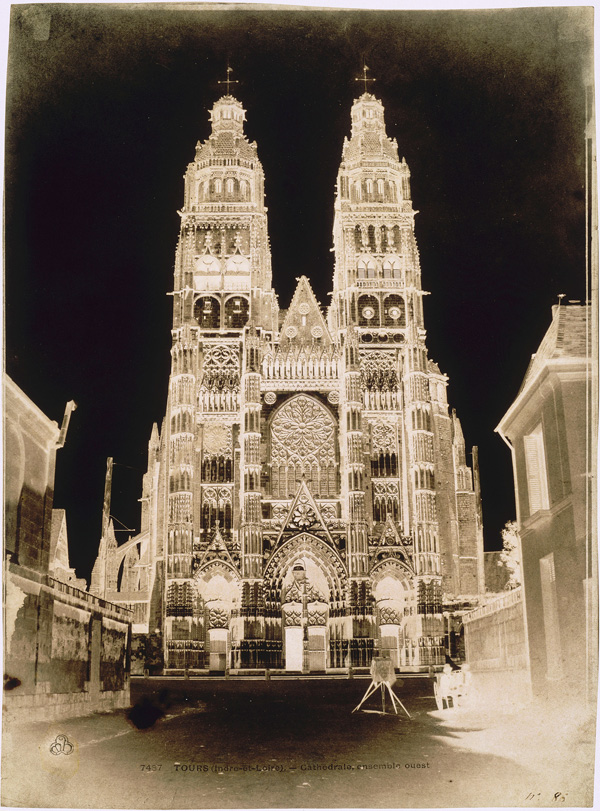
[(535, 465)]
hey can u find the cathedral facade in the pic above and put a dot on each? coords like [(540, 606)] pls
[(308, 502)]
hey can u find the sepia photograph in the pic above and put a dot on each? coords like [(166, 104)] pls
[(300, 407)]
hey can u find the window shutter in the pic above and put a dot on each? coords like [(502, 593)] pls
[(535, 464), (532, 464)]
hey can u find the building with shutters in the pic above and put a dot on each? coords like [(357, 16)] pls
[(308, 501), (550, 429)]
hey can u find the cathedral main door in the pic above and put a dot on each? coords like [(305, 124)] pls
[(305, 612), (294, 648)]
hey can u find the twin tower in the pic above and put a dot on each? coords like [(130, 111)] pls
[(308, 502)]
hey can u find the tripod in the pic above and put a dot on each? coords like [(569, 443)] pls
[(372, 688)]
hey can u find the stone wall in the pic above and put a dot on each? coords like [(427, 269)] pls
[(496, 651), (67, 652), (30, 444)]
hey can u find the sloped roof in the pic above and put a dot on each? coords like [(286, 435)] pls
[(565, 338), (226, 145)]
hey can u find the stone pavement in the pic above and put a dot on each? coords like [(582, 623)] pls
[(556, 742), (531, 757)]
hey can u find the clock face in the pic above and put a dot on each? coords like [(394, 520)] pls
[(207, 264), (238, 264)]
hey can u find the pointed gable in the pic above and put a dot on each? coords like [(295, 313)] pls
[(304, 515), (304, 321), (217, 550), (391, 544)]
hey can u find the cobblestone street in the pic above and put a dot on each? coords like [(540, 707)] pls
[(295, 743)]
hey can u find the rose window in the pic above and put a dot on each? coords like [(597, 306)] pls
[(303, 445), (303, 516)]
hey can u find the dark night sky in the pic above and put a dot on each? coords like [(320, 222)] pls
[(103, 117)]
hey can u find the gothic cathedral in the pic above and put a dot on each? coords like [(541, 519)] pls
[(308, 502)]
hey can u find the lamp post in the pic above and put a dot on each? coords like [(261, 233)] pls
[(299, 575)]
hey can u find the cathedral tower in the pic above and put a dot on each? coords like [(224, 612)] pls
[(377, 292), (308, 502)]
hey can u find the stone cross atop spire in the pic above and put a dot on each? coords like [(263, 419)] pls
[(228, 80), (364, 78)]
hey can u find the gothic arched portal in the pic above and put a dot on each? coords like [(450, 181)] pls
[(218, 603), (305, 583), (395, 610)]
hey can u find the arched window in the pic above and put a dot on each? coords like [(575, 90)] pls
[(380, 187), (392, 268), (357, 190), (218, 185), (369, 187), (394, 311), (243, 189), (236, 312), (368, 311), (207, 312), (366, 269), (230, 185), (358, 244)]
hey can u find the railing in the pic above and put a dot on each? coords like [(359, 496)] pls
[(379, 283), (243, 207), (500, 603), (86, 597), (286, 368)]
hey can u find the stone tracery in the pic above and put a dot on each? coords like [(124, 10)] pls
[(303, 444)]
